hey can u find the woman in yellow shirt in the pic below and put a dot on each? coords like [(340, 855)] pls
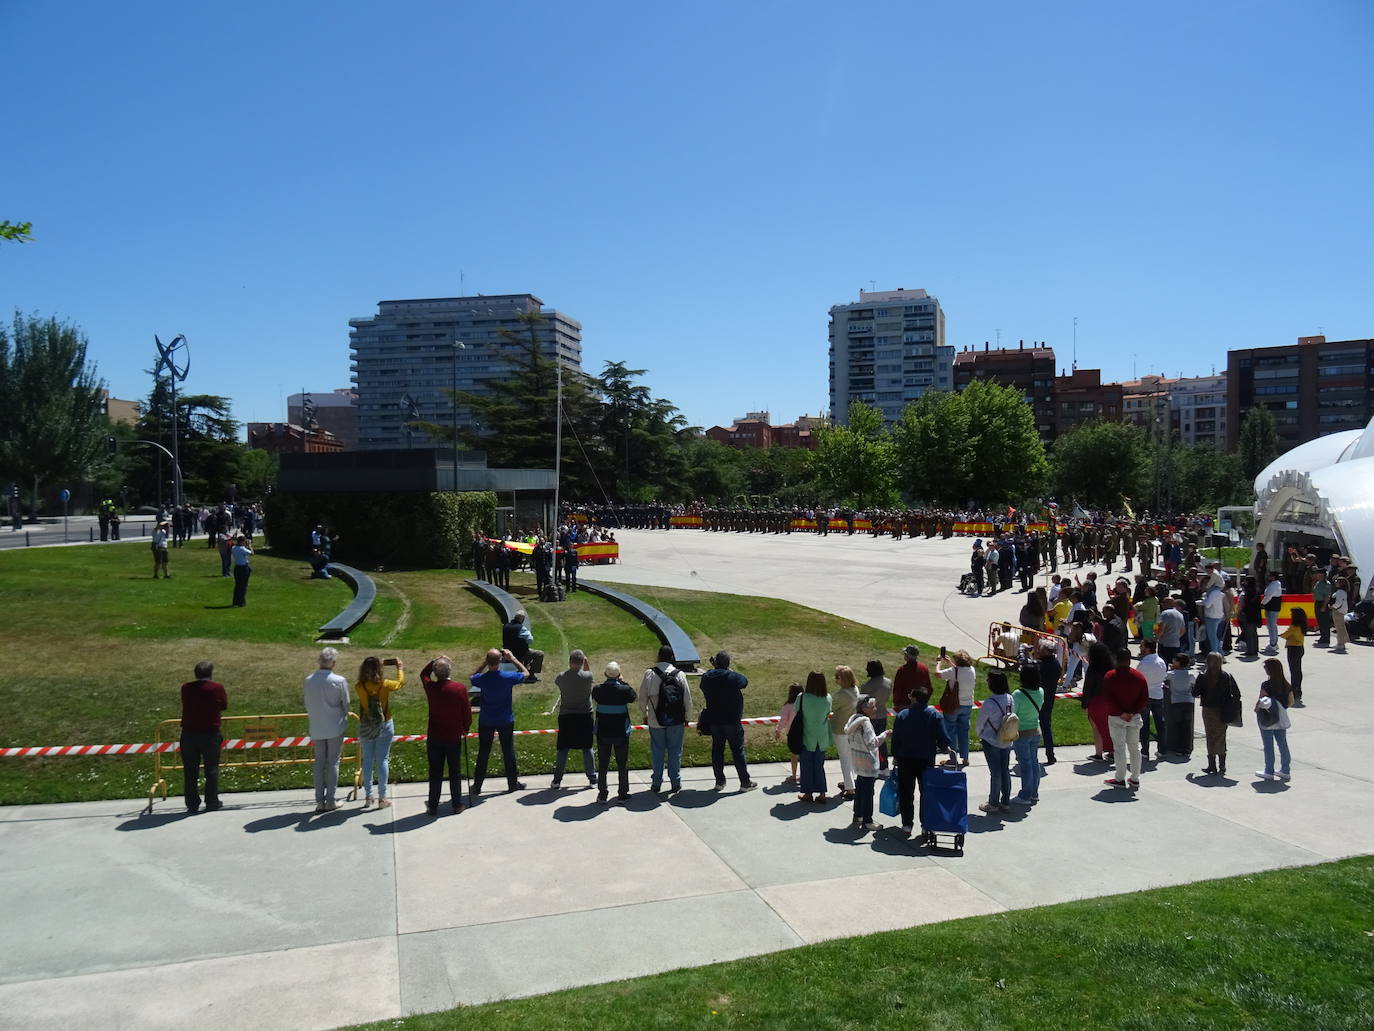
[(375, 729), (1293, 648)]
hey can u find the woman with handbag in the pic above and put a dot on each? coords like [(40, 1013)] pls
[(861, 742), (996, 716), (810, 736), (843, 704), (1271, 712), (957, 700), (1219, 698)]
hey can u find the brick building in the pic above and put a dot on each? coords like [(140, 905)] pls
[(1312, 388)]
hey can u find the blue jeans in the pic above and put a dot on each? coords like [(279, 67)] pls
[(561, 763), (1271, 621), (1156, 712), (811, 772), (956, 727), (1269, 739), (999, 770), (731, 734), (377, 752), (1212, 628), (1027, 748), (666, 741)]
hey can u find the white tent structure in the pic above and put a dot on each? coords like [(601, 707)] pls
[(1321, 492)]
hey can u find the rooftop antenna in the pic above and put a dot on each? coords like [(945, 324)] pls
[(999, 339), (1075, 343), (462, 288), (1133, 375), (873, 285)]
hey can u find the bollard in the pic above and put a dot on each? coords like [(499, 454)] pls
[(27, 542), (92, 530)]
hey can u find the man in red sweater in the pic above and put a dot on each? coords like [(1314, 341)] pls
[(909, 676), (1127, 695), (202, 700), (450, 719)]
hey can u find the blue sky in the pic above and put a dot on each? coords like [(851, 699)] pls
[(696, 183)]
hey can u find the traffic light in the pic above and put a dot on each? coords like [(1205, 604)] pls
[(111, 445)]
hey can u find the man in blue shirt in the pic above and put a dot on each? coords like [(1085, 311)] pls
[(495, 687)]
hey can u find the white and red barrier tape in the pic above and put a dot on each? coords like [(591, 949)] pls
[(240, 744)]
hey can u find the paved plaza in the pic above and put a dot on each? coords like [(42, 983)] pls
[(265, 916)]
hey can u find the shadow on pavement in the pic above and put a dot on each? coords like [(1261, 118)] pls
[(276, 822), (406, 823), (1210, 780), (544, 796), (1269, 787), (147, 821), (580, 813), (1112, 795), (882, 842), (693, 798)]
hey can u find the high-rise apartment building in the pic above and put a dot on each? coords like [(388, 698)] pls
[(887, 349), (1313, 388), (1197, 409), (1029, 369), (406, 359)]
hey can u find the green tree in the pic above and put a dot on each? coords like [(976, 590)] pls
[(19, 232), (857, 463), (646, 435), (980, 443), (256, 472), (52, 422), (1102, 465), (1258, 442), (515, 424), (208, 447), (715, 471)]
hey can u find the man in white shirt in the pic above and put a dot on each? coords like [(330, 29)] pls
[(1271, 601), (1213, 615), (326, 702), (1154, 670)]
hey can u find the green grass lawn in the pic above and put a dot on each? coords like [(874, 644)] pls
[(1291, 949), (94, 650)]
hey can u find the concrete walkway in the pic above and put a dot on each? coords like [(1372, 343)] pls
[(265, 916)]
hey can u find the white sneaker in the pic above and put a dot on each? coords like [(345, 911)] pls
[(1264, 776), (1285, 777), (906, 828)]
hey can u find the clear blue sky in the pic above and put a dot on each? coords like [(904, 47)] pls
[(697, 183)]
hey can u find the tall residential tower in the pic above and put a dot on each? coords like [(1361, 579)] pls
[(407, 353), (887, 350)]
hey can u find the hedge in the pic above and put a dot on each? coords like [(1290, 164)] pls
[(424, 531)]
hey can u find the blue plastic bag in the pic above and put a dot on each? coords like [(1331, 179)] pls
[(887, 797)]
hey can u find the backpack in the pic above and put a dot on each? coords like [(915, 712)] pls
[(1010, 727), (670, 707)]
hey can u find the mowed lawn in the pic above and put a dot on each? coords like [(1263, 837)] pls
[(1289, 950), (94, 650)]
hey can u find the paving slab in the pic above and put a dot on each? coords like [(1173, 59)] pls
[(544, 852), (922, 894), (471, 965), (291, 990), (118, 889)]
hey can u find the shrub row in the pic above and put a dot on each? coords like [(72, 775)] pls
[(425, 531)]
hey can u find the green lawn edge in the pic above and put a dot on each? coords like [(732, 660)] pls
[(1290, 948)]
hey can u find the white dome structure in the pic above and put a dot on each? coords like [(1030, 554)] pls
[(1321, 492)]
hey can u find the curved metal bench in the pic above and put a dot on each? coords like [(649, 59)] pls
[(364, 596), (684, 651), (505, 604)]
